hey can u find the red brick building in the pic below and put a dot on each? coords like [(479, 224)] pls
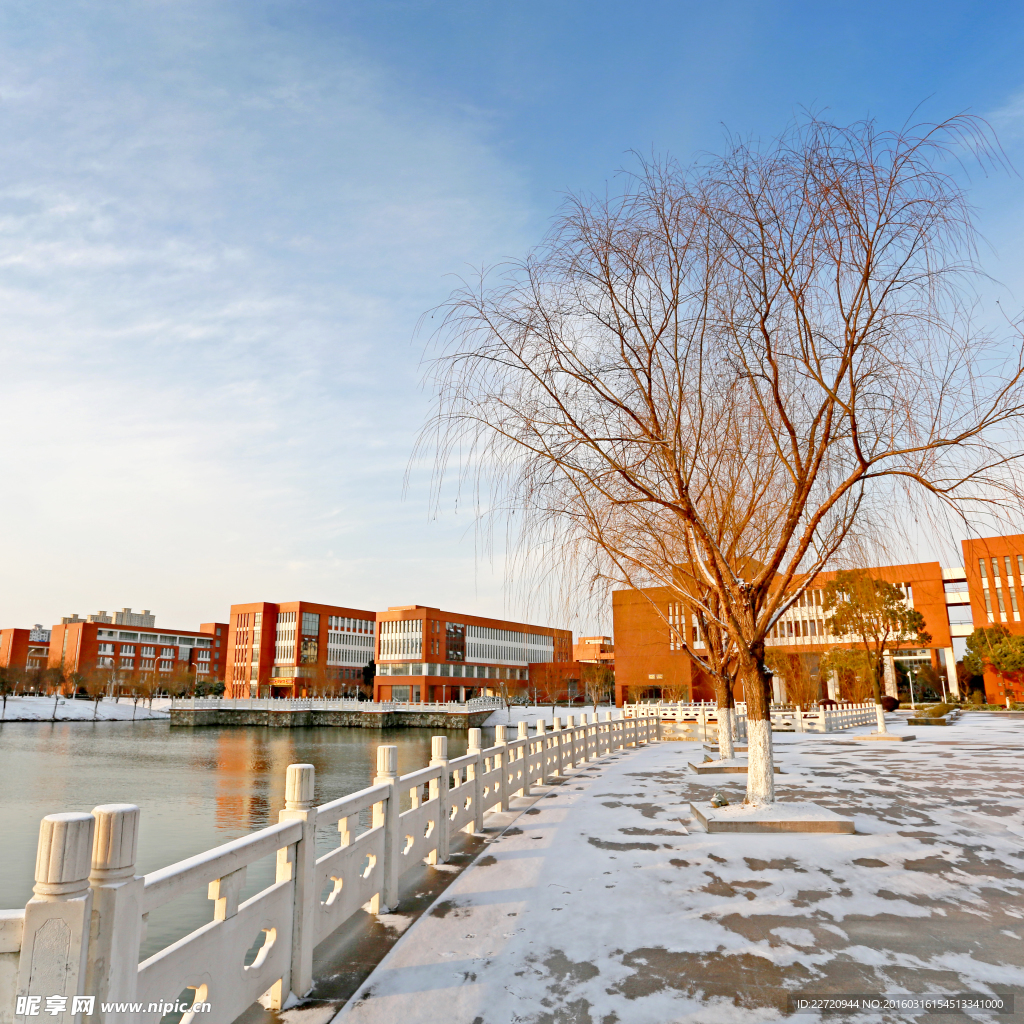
[(594, 650), (995, 584), (85, 646), (426, 654), (24, 650), (987, 589), (284, 650)]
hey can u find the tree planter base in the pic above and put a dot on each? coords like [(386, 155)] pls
[(885, 737), (713, 748), (782, 817), (734, 766)]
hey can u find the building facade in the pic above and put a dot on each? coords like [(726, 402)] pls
[(81, 645), (426, 654), (594, 650), (987, 589), (291, 649), (24, 650)]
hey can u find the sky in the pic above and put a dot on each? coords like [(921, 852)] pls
[(221, 223)]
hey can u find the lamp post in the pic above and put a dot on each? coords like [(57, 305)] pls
[(910, 676)]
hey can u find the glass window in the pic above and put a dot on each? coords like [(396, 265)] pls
[(310, 623), (1013, 601), (127, 636), (988, 602), (148, 652), (995, 568), (981, 566), (128, 649), (999, 598), (1020, 565), (954, 586)]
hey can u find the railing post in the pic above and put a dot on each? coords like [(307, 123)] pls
[(570, 728), (542, 744), (439, 791), (523, 733), (385, 814), (113, 972), (55, 941), (556, 729), (298, 863), (502, 766), (477, 771)]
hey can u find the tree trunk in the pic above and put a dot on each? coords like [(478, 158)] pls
[(760, 760), (726, 720), (877, 684)]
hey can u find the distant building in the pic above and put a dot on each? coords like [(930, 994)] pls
[(86, 645), (987, 590), (285, 650), (24, 650), (426, 654), (596, 650), (125, 617)]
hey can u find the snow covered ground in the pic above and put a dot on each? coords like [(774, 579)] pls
[(604, 903), (40, 709)]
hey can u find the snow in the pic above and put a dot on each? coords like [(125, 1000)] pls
[(520, 713), (599, 905), (780, 811), (40, 709)]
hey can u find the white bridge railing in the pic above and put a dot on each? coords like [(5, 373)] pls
[(80, 934), (328, 704), (701, 719)]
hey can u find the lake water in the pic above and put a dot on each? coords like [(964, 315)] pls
[(197, 788)]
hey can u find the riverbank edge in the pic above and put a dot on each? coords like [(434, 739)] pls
[(305, 718)]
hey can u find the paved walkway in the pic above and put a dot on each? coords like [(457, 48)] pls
[(599, 906)]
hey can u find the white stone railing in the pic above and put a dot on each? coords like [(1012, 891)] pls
[(327, 704), (81, 932), (701, 719)]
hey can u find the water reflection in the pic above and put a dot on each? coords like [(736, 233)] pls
[(197, 788)]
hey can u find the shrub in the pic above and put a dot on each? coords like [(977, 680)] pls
[(935, 711), (890, 703)]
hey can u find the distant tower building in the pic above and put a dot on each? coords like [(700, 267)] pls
[(125, 617)]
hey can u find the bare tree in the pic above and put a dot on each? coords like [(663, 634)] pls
[(739, 368), (598, 684), (9, 682), (95, 684), (801, 687)]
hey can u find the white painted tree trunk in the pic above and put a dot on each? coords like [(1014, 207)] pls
[(760, 763), (880, 713), (726, 733)]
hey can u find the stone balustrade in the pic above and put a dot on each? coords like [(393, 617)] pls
[(699, 720), (81, 933), (327, 704)]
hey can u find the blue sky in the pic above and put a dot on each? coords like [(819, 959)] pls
[(221, 221)]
